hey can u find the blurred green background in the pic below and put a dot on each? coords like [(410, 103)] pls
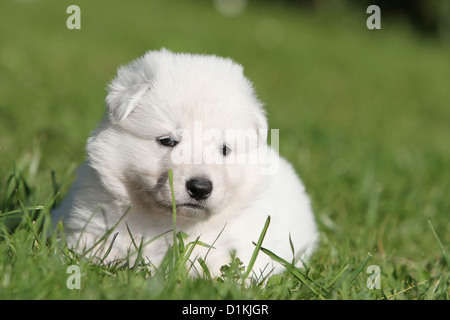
[(364, 115)]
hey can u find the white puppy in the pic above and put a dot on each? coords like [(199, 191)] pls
[(197, 115)]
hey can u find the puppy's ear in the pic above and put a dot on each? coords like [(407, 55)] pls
[(131, 84), (123, 96), (262, 126)]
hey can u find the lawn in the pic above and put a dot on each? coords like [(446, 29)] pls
[(364, 116)]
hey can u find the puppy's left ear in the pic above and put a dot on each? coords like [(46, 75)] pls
[(125, 91), (262, 126)]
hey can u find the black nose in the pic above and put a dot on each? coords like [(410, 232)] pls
[(199, 189)]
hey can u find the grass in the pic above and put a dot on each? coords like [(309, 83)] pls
[(363, 116)]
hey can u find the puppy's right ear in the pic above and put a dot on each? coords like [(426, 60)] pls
[(131, 84), (124, 92)]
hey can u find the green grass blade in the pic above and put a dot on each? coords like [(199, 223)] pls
[(296, 273), (337, 277), (359, 268), (444, 253), (186, 254), (108, 251), (174, 214), (257, 249), (214, 242), (205, 268), (103, 239)]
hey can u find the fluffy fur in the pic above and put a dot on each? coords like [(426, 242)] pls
[(166, 95)]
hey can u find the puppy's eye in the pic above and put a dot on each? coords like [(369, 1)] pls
[(226, 150), (167, 141)]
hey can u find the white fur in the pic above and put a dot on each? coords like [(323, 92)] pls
[(166, 94)]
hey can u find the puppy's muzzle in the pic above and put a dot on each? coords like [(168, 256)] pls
[(199, 188)]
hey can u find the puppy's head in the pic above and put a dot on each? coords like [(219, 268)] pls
[(195, 114)]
